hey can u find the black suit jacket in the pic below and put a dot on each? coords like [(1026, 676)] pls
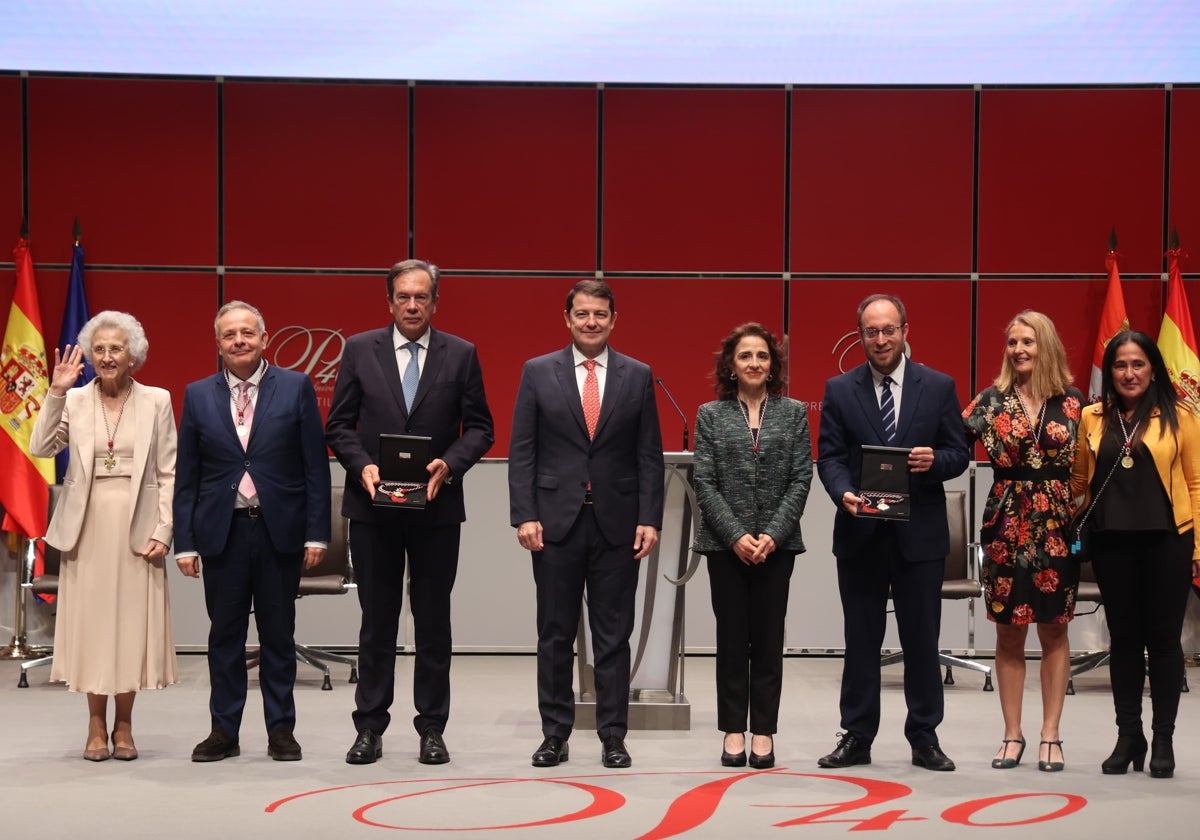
[(285, 456), (929, 416), (551, 460), (450, 407)]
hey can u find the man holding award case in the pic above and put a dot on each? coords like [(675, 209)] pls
[(890, 435)]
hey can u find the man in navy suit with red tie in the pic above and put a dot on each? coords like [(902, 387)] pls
[(585, 479), (252, 501), (890, 401), (406, 378)]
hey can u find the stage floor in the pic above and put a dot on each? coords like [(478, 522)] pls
[(676, 787)]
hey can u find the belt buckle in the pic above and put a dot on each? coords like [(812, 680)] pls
[(254, 511)]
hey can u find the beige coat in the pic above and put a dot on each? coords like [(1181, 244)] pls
[(152, 487)]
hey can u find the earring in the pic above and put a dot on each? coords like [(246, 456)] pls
[(769, 377), (733, 376)]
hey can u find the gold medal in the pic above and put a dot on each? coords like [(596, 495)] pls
[(1126, 461), (110, 462)]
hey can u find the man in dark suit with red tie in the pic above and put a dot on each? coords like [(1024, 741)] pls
[(406, 378), (252, 500), (890, 401), (585, 478)]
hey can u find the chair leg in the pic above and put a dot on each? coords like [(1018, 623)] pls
[(949, 676), (970, 664), (23, 681)]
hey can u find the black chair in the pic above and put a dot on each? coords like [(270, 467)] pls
[(960, 581), (44, 584), (334, 575)]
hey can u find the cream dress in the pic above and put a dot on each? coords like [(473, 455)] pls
[(113, 629)]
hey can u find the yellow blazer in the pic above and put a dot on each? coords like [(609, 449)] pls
[(1176, 457), (152, 485)]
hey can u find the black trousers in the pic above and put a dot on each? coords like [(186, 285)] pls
[(1144, 580), (750, 605), (916, 589), (251, 576), (584, 559), (380, 554)]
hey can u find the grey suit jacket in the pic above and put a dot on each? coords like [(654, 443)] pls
[(739, 493)]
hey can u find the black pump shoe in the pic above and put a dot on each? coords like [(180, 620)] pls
[(1162, 757)]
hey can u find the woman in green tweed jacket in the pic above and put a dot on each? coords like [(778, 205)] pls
[(753, 468)]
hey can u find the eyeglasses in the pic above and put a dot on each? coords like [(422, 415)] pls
[(113, 350), (872, 333)]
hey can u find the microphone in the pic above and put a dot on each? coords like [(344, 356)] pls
[(679, 411)]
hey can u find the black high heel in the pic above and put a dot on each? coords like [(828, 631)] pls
[(1162, 757), (1049, 765), (729, 759), (763, 762), (1130, 749), (1004, 762)]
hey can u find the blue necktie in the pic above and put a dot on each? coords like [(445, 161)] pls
[(887, 410), (412, 375)]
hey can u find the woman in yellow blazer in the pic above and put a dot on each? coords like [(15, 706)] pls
[(113, 523), (1138, 467)]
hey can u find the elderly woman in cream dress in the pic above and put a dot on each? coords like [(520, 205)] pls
[(113, 524)]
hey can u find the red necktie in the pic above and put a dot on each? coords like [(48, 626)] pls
[(591, 397)]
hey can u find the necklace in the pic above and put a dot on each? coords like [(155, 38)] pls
[(110, 461), (1126, 457), (240, 408), (1037, 426), (762, 411)]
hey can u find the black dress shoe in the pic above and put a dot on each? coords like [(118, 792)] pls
[(552, 752), (215, 747), (282, 746), (368, 747), (932, 758), (850, 750), (613, 753), (433, 748)]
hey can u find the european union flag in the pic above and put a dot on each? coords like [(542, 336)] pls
[(75, 316)]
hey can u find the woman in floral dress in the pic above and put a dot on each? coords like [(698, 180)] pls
[(1027, 422)]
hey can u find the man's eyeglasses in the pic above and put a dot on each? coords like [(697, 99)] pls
[(872, 333)]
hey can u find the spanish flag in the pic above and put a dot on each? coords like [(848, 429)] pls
[(1177, 339), (1112, 318), (24, 480)]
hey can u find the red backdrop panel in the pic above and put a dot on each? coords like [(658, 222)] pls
[(1059, 168), (1184, 196), (882, 180), (939, 334), (316, 175), (308, 323), (694, 180), (678, 349), (506, 178), (134, 160), (10, 172)]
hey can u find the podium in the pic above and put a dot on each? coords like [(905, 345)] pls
[(656, 698)]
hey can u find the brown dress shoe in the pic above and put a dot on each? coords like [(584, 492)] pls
[(282, 746), (215, 747)]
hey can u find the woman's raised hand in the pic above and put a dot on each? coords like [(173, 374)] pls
[(66, 370)]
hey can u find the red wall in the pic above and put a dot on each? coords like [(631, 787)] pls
[(703, 207)]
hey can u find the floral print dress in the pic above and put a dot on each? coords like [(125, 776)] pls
[(1028, 574)]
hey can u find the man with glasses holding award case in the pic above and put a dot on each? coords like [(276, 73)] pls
[(894, 413)]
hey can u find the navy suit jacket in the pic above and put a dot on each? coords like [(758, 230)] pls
[(450, 407), (551, 460), (929, 416), (285, 456)]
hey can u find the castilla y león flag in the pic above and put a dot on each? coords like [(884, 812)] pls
[(24, 480), (1112, 321)]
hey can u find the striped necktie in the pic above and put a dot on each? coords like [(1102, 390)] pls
[(887, 410)]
